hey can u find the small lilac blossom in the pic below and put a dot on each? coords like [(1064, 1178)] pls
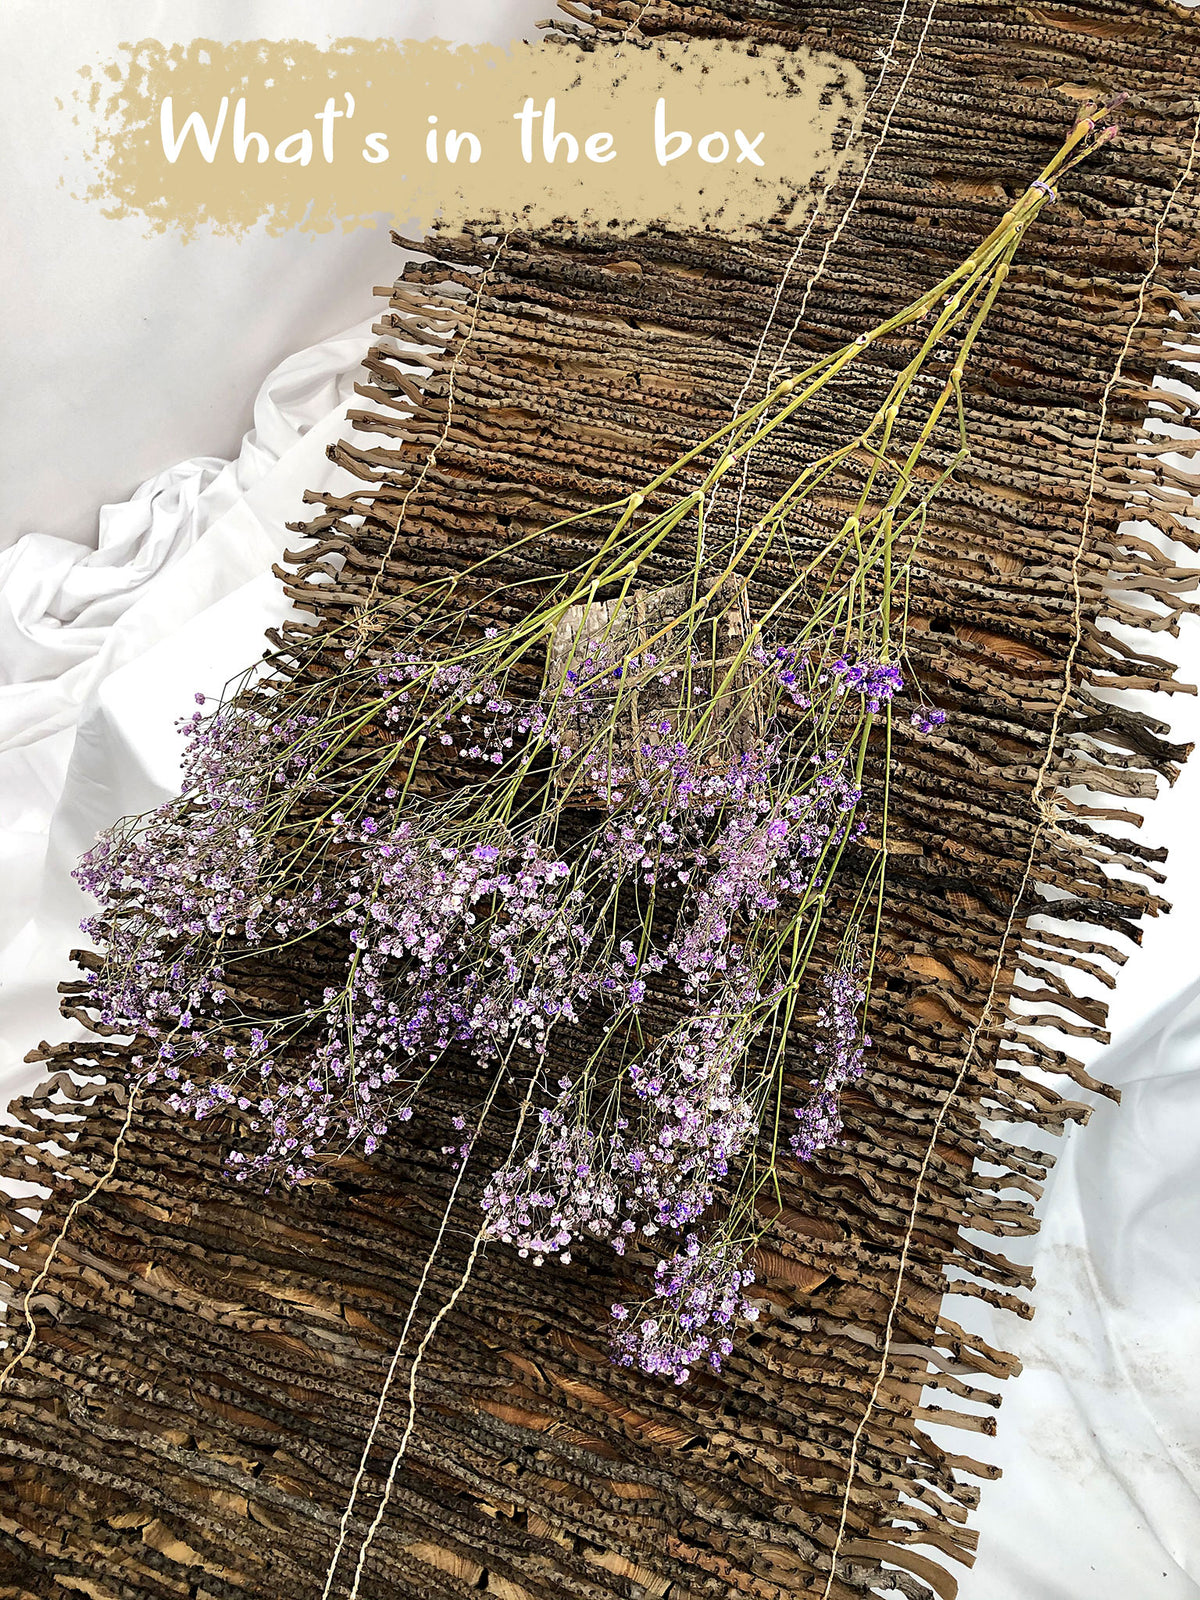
[(839, 1052), (699, 1297)]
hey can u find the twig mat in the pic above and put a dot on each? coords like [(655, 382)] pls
[(203, 1364)]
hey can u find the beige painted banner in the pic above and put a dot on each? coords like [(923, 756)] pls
[(694, 133)]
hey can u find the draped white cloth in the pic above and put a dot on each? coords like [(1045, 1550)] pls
[(1099, 1438)]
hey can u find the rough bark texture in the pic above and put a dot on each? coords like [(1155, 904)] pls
[(189, 1418)]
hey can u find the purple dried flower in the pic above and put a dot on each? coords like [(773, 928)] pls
[(449, 927), (699, 1296), (877, 681), (839, 1050)]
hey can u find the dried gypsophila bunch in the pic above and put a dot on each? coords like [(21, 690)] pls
[(721, 789)]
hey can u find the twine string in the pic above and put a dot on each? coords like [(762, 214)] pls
[(776, 301), (814, 216), (344, 1524), (634, 27), (918, 51), (831, 241), (410, 1421), (779, 290)]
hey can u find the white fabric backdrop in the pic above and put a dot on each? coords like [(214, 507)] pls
[(156, 346), (105, 634)]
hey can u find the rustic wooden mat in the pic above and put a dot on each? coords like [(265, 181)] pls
[(204, 1365)]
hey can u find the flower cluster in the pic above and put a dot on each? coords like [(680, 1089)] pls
[(443, 924), (766, 850), (839, 1051), (699, 1295), (560, 1191), (686, 1115), (927, 718), (878, 682), (173, 893), (696, 1113), (802, 675), (448, 943)]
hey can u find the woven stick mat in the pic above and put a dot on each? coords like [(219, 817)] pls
[(201, 1365)]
